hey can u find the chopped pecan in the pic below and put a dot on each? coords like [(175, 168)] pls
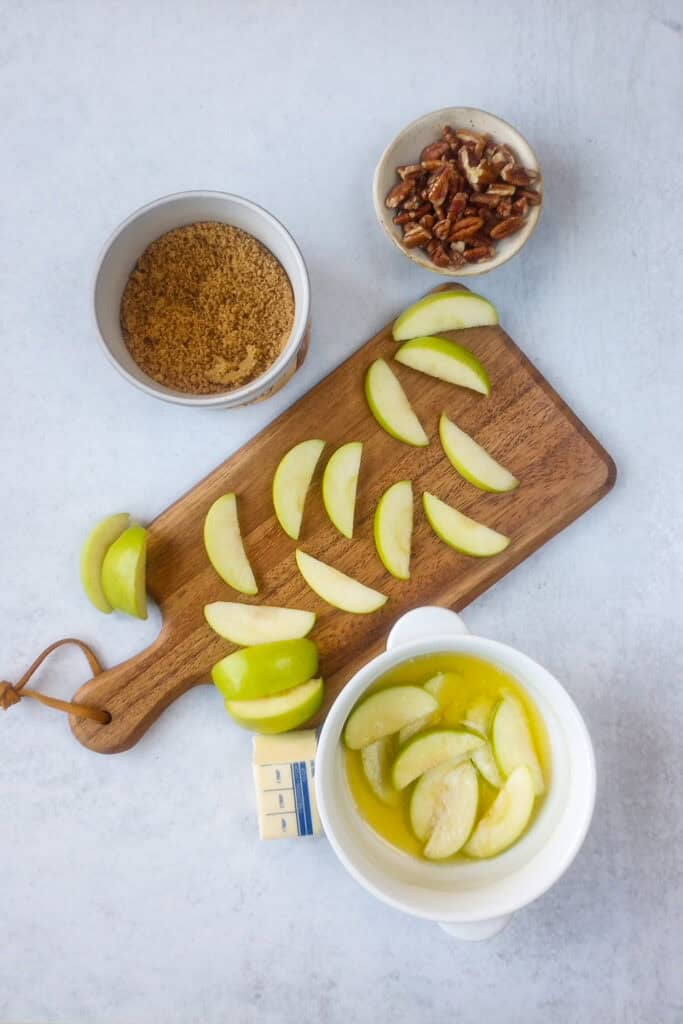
[(434, 151), (437, 188), (456, 258), (404, 217), (532, 197), (475, 141), (451, 137), (442, 228), (470, 211), (413, 203), (507, 227), (482, 252), (516, 175), (477, 174), (409, 171), (500, 189), (438, 254), (427, 221), (399, 193), (458, 246), (457, 205), (485, 199), (502, 156), (415, 235), (432, 165), (504, 209), (422, 209), (465, 228), (520, 207)]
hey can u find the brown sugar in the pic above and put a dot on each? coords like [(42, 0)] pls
[(207, 308)]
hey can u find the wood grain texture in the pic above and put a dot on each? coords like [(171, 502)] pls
[(562, 468)]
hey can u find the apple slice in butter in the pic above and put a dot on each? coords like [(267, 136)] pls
[(506, 818), (386, 712)]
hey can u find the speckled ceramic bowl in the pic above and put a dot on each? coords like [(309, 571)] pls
[(406, 148)]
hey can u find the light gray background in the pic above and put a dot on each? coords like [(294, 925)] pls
[(133, 888)]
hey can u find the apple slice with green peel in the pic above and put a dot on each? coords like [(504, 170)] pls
[(424, 800), (512, 741), (419, 725), (265, 669), (446, 360), (291, 482), (390, 406), (377, 759), (394, 529), (93, 552), (472, 461), (338, 589), (123, 572), (340, 483), (444, 311), (224, 546), (461, 532), (247, 624), (279, 713), (445, 686), (431, 748), (506, 818), (478, 716), (456, 812), (386, 712)]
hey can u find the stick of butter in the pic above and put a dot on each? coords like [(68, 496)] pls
[(284, 770)]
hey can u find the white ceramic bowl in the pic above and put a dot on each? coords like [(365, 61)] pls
[(406, 149), (471, 900), (129, 241)]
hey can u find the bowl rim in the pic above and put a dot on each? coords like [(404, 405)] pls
[(555, 693), (252, 390), (415, 255)]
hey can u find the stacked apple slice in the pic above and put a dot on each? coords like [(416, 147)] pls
[(113, 564), (407, 754)]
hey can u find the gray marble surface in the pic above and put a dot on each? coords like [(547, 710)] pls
[(133, 888)]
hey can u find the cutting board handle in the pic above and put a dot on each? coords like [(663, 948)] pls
[(135, 693)]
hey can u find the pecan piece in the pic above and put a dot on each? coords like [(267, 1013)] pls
[(500, 189), (532, 197), (502, 156), (406, 171), (437, 188), (520, 207), (477, 174), (422, 209), (399, 193), (413, 203), (438, 254), (456, 258), (415, 235), (434, 151), (432, 165), (485, 199), (404, 217), (507, 227), (515, 175), (482, 252), (427, 221), (465, 228), (442, 229), (504, 209), (457, 205)]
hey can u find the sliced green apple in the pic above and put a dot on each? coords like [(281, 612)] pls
[(478, 715), (123, 572), (506, 818), (390, 406), (224, 546), (444, 311), (386, 712), (445, 686), (456, 812), (340, 483), (461, 532), (425, 751), (393, 528), (446, 360), (377, 759), (513, 743), (419, 725), (96, 545), (425, 796), (247, 624), (338, 589), (472, 461), (265, 669), (291, 482), (279, 713)]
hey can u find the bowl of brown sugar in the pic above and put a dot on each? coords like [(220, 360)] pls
[(203, 298)]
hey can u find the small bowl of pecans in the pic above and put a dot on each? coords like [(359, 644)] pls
[(459, 191)]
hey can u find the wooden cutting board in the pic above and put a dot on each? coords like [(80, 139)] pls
[(524, 423)]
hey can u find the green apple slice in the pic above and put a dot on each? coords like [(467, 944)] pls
[(224, 546), (386, 712), (96, 545), (506, 818), (424, 800), (338, 589), (472, 461), (419, 725), (461, 532), (512, 741), (445, 686), (247, 624), (444, 311), (340, 483), (446, 360), (478, 715), (456, 812), (425, 751), (279, 713), (291, 482), (265, 669), (390, 406), (377, 759), (123, 572), (394, 529)]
